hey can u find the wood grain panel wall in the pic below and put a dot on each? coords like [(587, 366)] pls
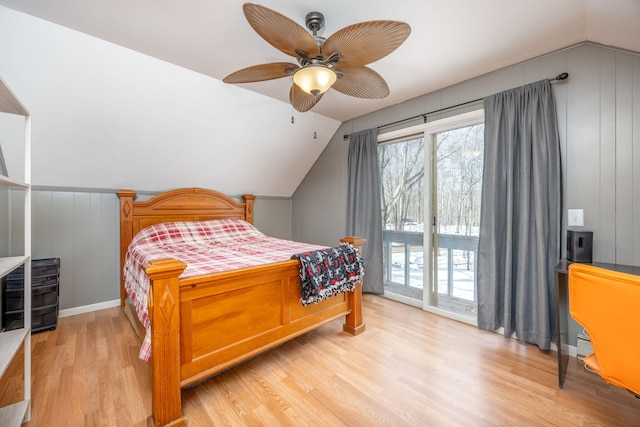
[(602, 162), (80, 228), (599, 122)]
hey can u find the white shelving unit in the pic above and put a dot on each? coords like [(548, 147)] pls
[(11, 341)]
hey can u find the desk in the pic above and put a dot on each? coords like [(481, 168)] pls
[(562, 318)]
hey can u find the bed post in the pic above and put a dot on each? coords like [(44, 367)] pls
[(164, 313), (126, 232), (248, 207), (353, 323)]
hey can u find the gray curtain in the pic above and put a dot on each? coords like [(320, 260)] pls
[(520, 214), (364, 216)]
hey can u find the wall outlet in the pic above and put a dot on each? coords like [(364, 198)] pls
[(584, 346), (576, 217)]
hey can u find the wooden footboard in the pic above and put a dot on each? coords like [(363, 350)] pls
[(216, 321), (203, 325)]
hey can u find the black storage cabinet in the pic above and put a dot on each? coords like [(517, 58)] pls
[(45, 280)]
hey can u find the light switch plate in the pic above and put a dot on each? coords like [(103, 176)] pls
[(576, 217)]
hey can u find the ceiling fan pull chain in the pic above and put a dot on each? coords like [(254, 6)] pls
[(315, 125)]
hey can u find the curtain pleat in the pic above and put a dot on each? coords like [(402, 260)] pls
[(364, 216), (520, 215)]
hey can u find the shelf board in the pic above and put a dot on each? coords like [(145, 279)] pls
[(8, 182), (9, 103), (8, 264), (13, 415), (10, 343)]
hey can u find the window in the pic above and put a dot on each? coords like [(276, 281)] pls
[(402, 199)]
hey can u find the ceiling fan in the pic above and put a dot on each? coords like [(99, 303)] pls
[(338, 62)]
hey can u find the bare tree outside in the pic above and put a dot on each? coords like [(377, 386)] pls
[(459, 180), (402, 175)]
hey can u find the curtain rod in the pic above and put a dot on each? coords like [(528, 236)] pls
[(562, 76)]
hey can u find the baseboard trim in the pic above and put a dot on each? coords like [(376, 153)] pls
[(88, 308), (573, 350)]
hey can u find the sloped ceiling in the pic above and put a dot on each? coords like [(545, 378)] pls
[(450, 42)]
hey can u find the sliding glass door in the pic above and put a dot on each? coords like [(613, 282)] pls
[(431, 178), (457, 183), (403, 187)]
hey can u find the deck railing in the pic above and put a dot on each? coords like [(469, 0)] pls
[(448, 242)]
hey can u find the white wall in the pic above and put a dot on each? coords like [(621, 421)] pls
[(107, 117), (599, 122)]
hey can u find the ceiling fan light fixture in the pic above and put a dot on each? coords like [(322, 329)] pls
[(352, 48), (315, 79)]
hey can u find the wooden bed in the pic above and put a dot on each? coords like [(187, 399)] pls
[(206, 324)]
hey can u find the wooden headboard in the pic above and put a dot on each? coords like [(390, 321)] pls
[(185, 204)]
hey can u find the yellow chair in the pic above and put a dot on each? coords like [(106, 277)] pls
[(607, 304)]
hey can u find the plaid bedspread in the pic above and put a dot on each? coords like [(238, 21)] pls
[(206, 247)]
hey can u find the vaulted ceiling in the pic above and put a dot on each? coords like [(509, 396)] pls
[(450, 42)]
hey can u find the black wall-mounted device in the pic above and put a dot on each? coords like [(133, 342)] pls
[(579, 246)]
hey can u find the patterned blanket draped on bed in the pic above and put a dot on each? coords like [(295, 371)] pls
[(328, 272)]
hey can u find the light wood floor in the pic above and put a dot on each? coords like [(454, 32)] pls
[(410, 368)]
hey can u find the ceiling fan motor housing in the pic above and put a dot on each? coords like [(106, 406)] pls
[(314, 22)]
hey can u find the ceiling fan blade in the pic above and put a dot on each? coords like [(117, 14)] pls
[(361, 82), (366, 42), (281, 32), (301, 100), (262, 72)]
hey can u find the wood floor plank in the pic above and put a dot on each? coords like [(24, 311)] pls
[(409, 368)]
